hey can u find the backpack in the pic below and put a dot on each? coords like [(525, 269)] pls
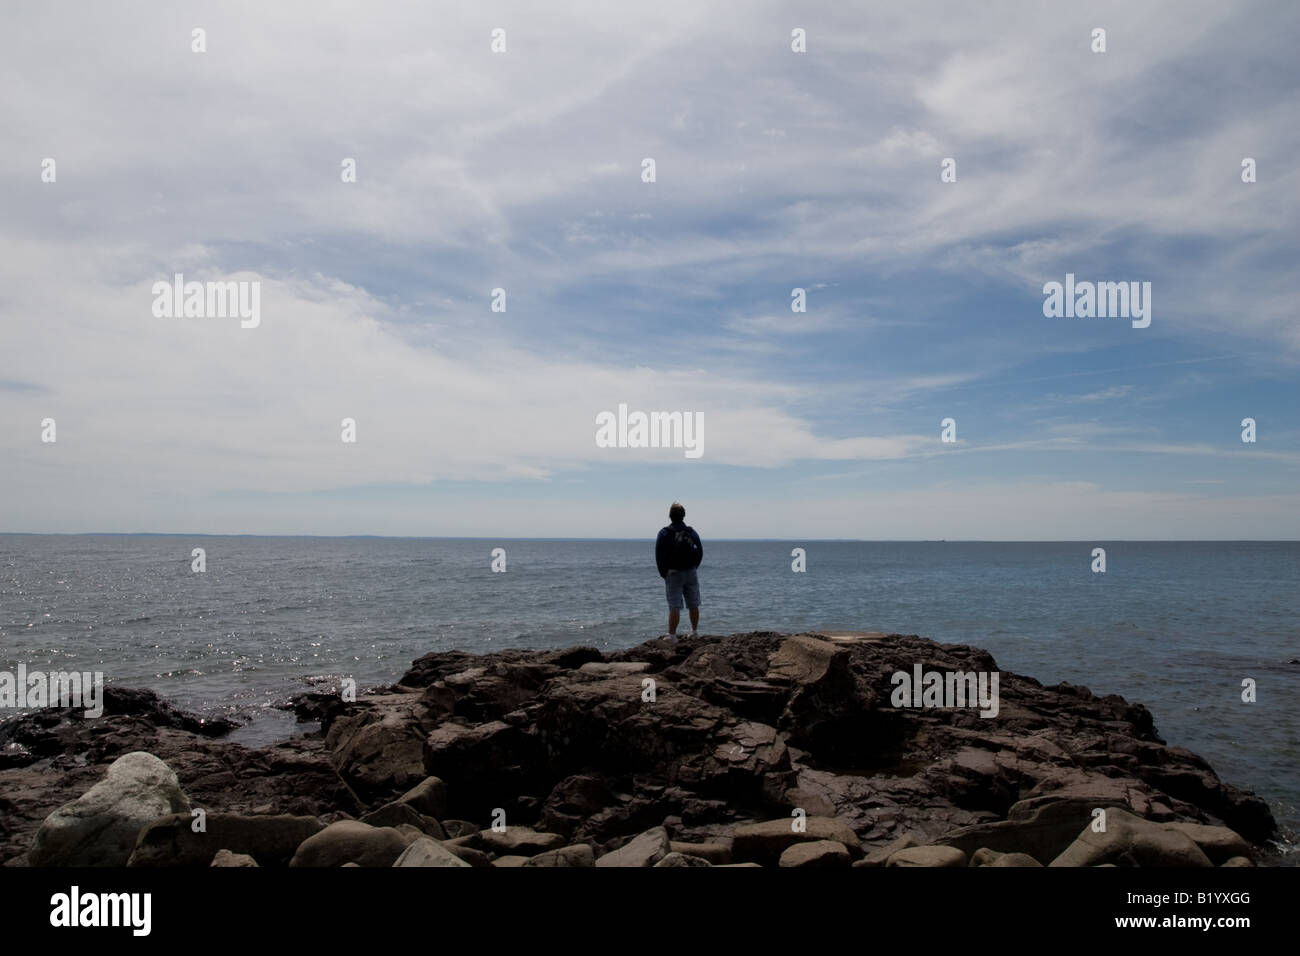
[(682, 552)]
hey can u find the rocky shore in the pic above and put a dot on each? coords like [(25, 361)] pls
[(752, 749)]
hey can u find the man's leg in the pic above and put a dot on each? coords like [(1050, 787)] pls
[(691, 593), (675, 615)]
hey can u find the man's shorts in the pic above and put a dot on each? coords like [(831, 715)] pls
[(681, 584)]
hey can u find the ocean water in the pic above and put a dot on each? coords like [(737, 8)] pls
[(1173, 625)]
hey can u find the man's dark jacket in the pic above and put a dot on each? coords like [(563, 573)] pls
[(664, 548)]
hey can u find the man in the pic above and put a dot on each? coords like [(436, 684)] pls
[(678, 552)]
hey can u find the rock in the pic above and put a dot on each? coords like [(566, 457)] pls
[(226, 858), (818, 853), (681, 859), (614, 668), (511, 861), (1015, 859), (459, 828), (1185, 777), (805, 660), (480, 763), (646, 849), (271, 840), (1218, 843), (984, 857), (880, 856), (700, 747), (1041, 829), (825, 702), (519, 841), (573, 801), (759, 865), (744, 727), (55, 731), (473, 840), (928, 856), (765, 842), (717, 854), (492, 686), (428, 852), (428, 797), (1238, 861), (377, 747), (101, 826), (1131, 841), (350, 841), (578, 855), (470, 855), (397, 813)]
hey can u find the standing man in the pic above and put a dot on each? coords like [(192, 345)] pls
[(678, 553)]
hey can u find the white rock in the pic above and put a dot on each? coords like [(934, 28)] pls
[(100, 827)]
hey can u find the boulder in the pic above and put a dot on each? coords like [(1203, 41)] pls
[(398, 813), (1015, 859), (880, 855), (804, 660), (818, 853), (271, 840), (645, 849), (226, 858), (428, 852), (825, 701), (100, 828), (1131, 841), (716, 853), (1218, 843), (765, 842), (1238, 861), (511, 861), (579, 854), (377, 747), (681, 859), (1040, 828), (470, 855), (428, 797), (928, 856), (519, 841), (350, 841)]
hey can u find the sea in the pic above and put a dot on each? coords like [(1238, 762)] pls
[(1177, 626)]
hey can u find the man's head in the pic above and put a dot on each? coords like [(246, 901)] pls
[(676, 512)]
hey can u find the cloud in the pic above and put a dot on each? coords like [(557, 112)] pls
[(522, 171)]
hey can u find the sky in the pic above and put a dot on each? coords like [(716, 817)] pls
[(774, 170)]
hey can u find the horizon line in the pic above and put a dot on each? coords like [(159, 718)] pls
[(396, 537)]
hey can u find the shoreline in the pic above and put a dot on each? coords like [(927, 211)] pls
[(699, 742)]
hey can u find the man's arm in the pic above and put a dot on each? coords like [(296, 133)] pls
[(661, 555), (699, 544)]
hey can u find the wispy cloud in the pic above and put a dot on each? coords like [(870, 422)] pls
[(523, 172)]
